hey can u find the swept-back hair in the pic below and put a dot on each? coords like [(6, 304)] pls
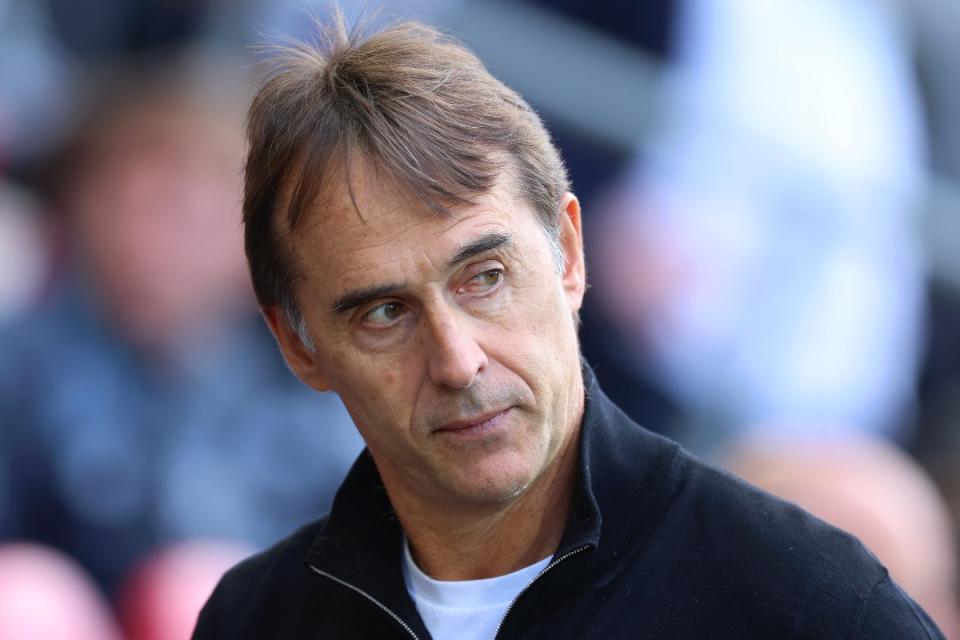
[(407, 99)]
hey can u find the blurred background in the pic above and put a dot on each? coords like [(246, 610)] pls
[(771, 196)]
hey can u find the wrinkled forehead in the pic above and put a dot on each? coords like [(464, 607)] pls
[(390, 240), (360, 199)]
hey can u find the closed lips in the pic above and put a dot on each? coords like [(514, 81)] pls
[(486, 419)]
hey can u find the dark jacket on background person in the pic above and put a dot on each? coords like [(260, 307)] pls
[(658, 545)]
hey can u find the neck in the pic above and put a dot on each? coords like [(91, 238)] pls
[(491, 540)]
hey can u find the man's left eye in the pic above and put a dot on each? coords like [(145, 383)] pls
[(486, 280)]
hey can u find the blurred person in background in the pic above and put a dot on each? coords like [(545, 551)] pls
[(871, 489), (142, 403), (762, 256)]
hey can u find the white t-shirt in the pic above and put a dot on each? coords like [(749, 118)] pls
[(464, 609)]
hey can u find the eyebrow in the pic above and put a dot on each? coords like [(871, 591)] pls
[(360, 297), (486, 242)]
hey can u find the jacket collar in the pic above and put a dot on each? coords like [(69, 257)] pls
[(623, 488), (626, 482)]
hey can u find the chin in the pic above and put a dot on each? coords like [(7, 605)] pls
[(491, 488)]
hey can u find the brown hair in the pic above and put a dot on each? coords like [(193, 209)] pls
[(408, 99)]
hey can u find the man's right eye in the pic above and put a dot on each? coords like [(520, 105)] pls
[(383, 315)]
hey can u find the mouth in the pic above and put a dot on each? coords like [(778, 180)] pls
[(479, 424)]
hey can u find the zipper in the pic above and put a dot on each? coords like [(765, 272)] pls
[(369, 597), (543, 571)]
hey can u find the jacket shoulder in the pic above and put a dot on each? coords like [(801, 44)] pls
[(820, 579)]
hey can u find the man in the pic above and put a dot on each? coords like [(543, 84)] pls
[(415, 248)]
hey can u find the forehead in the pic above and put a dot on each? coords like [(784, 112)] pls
[(382, 226)]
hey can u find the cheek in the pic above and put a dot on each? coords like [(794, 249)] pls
[(391, 378), (534, 335), (376, 387), (364, 374), (374, 415), (539, 310), (544, 341)]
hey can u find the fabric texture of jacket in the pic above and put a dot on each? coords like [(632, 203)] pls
[(657, 545)]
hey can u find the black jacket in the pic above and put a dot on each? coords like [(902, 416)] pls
[(658, 545)]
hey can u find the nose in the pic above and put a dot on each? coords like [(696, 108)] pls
[(454, 358)]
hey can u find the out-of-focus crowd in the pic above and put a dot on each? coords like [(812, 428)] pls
[(770, 194)]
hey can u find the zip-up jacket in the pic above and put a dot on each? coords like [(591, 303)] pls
[(657, 545)]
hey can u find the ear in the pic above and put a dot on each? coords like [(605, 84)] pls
[(301, 359), (571, 241)]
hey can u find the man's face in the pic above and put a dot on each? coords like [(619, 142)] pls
[(451, 340)]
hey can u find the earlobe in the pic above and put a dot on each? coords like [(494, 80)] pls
[(303, 361), (571, 240)]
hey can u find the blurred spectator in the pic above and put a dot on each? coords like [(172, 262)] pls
[(875, 492), (151, 189), (765, 256), (145, 403)]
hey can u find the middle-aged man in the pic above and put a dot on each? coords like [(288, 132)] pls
[(416, 249)]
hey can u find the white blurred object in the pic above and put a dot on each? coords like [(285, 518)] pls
[(23, 253), (785, 185)]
